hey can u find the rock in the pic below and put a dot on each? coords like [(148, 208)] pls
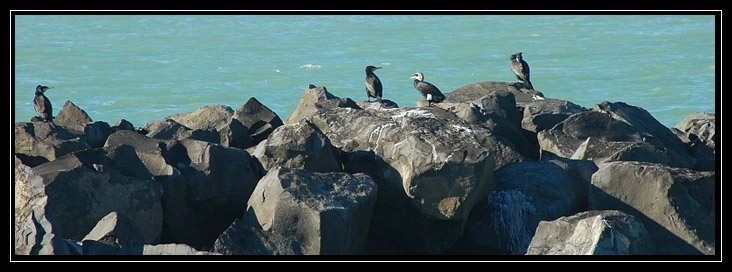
[(218, 119), (300, 145), (122, 124), (676, 205), (96, 133), (592, 233), (651, 129), (78, 193), (70, 115), (172, 249), (546, 113), (316, 98), (207, 192), (504, 151), (259, 119), (601, 151), (428, 164), (525, 194), (697, 131), (319, 213), (39, 142), (169, 129), (477, 90), (116, 230), (375, 105)]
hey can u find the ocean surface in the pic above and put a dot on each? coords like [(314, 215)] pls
[(146, 67)]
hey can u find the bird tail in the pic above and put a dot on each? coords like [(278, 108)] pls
[(527, 85)]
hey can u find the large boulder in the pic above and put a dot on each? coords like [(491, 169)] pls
[(219, 119), (314, 213), (477, 90), (617, 126), (430, 168), (116, 230), (78, 193), (301, 145), (39, 142), (316, 98), (545, 113), (698, 132), (676, 205), (605, 232), (527, 193), (258, 118), (72, 115)]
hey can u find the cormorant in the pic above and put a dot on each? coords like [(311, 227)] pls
[(373, 84), (429, 91), (42, 104), (521, 69)]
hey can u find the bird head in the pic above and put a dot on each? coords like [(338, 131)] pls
[(42, 89), (418, 76)]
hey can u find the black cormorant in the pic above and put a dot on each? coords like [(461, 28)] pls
[(521, 69), (373, 84), (429, 91), (42, 104)]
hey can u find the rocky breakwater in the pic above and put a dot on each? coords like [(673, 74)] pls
[(494, 169)]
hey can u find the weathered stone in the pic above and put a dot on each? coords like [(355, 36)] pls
[(169, 129), (39, 142), (601, 151), (546, 113), (676, 205), (474, 91), (172, 249), (315, 98), (218, 119), (70, 115), (96, 133), (698, 132), (79, 193), (375, 105), (259, 119), (430, 168), (122, 124), (605, 232), (320, 213), (116, 230), (525, 194), (301, 145), (651, 130), (206, 193)]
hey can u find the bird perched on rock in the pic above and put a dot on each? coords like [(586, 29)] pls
[(521, 69), (373, 84), (429, 91), (42, 104)]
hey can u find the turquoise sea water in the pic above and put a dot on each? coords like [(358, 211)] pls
[(147, 67)]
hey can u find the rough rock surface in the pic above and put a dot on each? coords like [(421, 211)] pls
[(676, 205), (525, 194), (592, 233), (116, 230), (315, 213), (300, 145), (258, 118), (430, 168), (315, 98)]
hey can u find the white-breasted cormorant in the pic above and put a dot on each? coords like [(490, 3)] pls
[(42, 104), (373, 84), (521, 69), (429, 91)]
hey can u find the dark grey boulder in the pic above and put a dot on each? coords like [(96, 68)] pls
[(601, 151), (301, 145), (258, 118), (71, 115), (474, 91), (116, 230), (317, 98), (218, 119), (79, 192), (676, 205), (545, 113), (295, 211), (606, 232), (430, 168), (39, 142), (526, 193), (698, 132)]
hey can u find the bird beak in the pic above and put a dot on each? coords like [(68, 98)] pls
[(377, 68), (414, 77)]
